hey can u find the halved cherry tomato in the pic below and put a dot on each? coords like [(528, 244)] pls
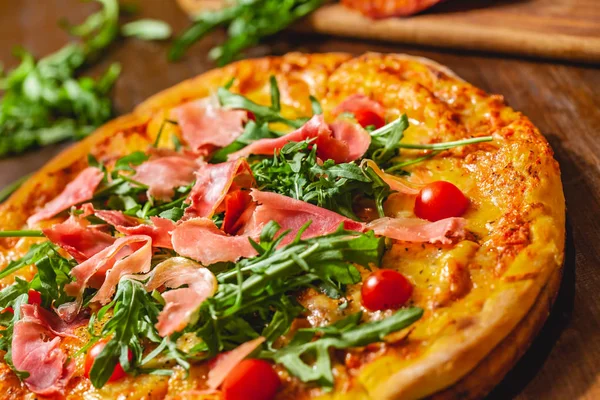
[(367, 117), (439, 200), (385, 289), (251, 380), (35, 297), (94, 351)]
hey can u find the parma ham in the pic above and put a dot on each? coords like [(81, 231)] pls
[(159, 229), (79, 190), (163, 174), (203, 123), (367, 112), (419, 231), (347, 145)]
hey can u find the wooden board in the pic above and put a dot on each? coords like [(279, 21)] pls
[(558, 29)]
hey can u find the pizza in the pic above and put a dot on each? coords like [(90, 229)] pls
[(299, 227)]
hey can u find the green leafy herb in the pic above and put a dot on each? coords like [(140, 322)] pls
[(35, 253), (44, 103), (295, 173), (341, 335), (12, 187), (248, 21), (147, 29), (134, 313), (257, 293)]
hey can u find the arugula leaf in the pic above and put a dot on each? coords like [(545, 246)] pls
[(44, 103), (147, 29), (258, 292), (35, 254), (134, 314), (341, 335), (263, 114), (295, 172), (249, 21)]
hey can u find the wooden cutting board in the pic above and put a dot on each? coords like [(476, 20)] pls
[(558, 29)]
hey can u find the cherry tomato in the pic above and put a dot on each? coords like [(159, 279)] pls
[(385, 289), (35, 297), (439, 200), (94, 351), (251, 380), (367, 117), (251, 116)]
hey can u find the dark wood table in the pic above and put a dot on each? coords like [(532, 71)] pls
[(562, 100)]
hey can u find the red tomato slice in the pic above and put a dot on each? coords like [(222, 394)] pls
[(94, 351), (385, 289), (35, 297), (439, 200), (251, 380)]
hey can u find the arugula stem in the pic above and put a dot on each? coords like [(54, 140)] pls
[(23, 233), (400, 165), (445, 145), (12, 187)]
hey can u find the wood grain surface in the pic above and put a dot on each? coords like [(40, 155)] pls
[(563, 100), (557, 29)]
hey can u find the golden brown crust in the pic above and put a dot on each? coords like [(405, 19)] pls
[(504, 275)]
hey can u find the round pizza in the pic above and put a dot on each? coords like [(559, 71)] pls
[(297, 227)]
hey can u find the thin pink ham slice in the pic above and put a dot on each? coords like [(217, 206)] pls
[(80, 239), (159, 229), (203, 123), (419, 231), (213, 182), (181, 302), (77, 191), (163, 174), (201, 240), (365, 110), (224, 363), (36, 350), (396, 183), (342, 144), (128, 255), (293, 214)]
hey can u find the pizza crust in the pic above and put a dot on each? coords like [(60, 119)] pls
[(466, 364)]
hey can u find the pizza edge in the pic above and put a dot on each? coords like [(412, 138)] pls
[(457, 367)]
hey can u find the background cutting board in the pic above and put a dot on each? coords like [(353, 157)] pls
[(560, 29)]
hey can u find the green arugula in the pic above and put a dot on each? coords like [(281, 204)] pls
[(44, 101), (147, 29), (295, 172), (134, 313), (257, 294), (341, 335), (248, 21)]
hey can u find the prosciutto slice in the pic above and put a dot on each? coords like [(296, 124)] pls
[(180, 302), (396, 183), (366, 111), (389, 8), (293, 214), (344, 146), (159, 230), (204, 123), (128, 255), (213, 182), (77, 191), (36, 350), (163, 174), (224, 363), (419, 231), (201, 240), (78, 238)]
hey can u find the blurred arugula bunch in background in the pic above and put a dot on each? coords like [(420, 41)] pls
[(44, 102), (248, 22)]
